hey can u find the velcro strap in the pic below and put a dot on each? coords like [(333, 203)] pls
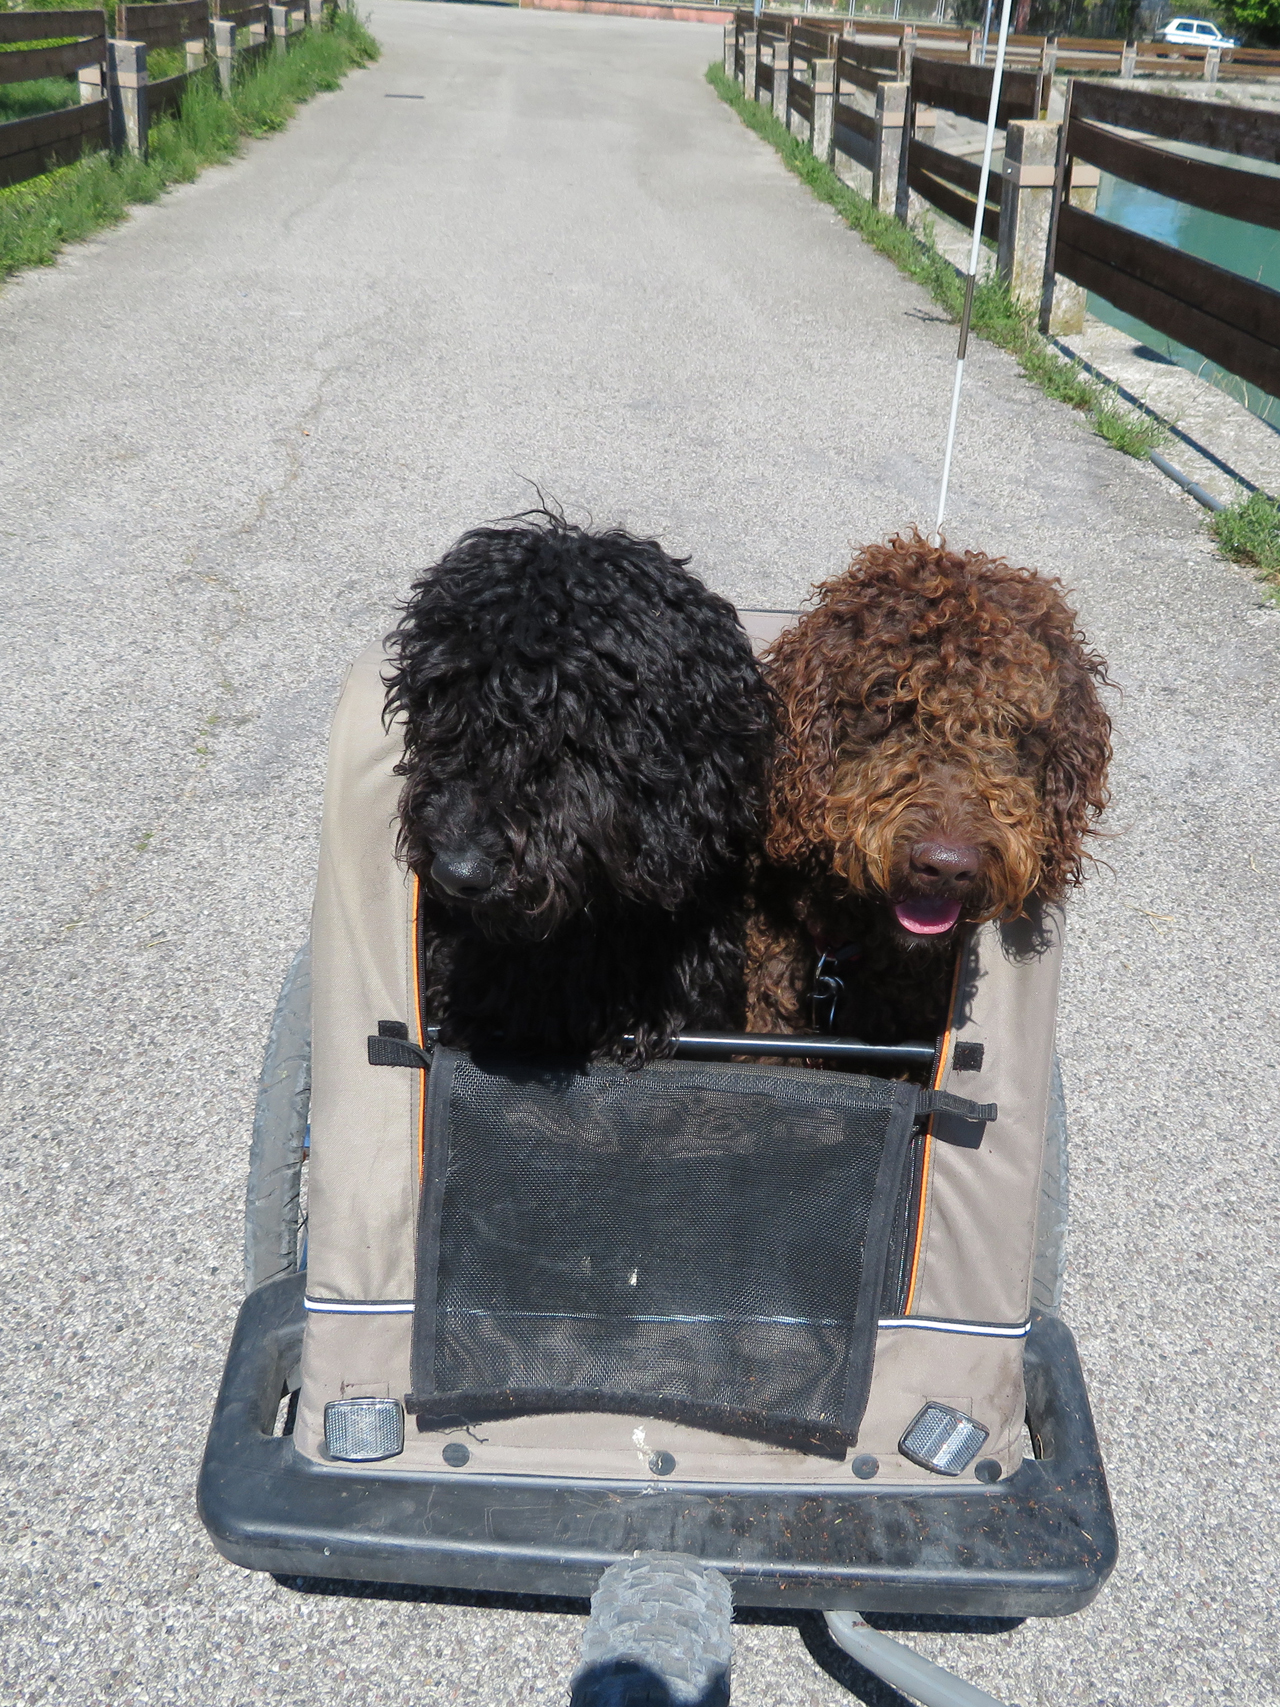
[(943, 1102), (397, 1052)]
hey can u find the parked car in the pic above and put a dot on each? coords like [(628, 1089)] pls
[(1194, 32)]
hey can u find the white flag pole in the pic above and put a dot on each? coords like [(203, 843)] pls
[(975, 251)]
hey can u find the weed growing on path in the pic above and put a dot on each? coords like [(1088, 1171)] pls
[(996, 317), (38, 217), (1249, 532)]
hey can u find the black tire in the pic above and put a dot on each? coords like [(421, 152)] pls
[(272, 1218), (660, 1634), (1050, 1267)]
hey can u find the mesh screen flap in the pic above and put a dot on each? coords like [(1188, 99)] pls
[(704, 1243)]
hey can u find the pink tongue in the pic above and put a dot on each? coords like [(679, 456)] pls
[(926, 915)]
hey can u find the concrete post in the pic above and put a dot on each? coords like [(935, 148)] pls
[(751, 64), (781, 79), (731, 49), (224, 52), (195, 51), (127, 70), (1212, 60), (886, 169), (280, 28), (822, 139), (90, 83), (1129, 59), (315, 14), (1026, 207)]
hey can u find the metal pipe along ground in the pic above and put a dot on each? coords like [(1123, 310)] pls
[(898, 1666)]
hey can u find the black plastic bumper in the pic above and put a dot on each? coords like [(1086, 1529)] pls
[(1041, 1543)]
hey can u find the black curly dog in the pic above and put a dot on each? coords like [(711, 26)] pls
[(586, 745)]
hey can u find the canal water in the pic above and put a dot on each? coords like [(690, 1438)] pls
[(1251, 250)]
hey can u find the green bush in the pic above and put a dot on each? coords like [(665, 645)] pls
[(1249, 532), (39, 217)]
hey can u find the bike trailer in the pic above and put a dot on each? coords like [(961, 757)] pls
[(794, 1323)]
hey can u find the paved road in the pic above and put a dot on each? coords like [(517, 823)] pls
[(234, 428)]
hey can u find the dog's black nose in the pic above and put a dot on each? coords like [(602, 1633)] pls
[(939, 861), (463, 873)]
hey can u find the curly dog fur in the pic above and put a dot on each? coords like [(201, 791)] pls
[(944, 756), (586, 742)]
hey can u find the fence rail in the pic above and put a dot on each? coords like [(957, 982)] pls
[(31, 146), (25, 64), (160, 26)]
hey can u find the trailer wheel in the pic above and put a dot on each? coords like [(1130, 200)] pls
[(660, 1634), (273, 1218), (1050, 1267)]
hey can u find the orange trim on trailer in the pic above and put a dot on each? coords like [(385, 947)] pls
[(935, 1084), (415, 955)]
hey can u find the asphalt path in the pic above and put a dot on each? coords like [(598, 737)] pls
[(234, 427)]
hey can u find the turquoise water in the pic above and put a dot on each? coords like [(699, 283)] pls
[(1251, 250)]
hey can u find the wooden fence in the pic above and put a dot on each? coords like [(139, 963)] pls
[(118, 101), (1230, 320), (947, 181), (1054, 56), (56, 137), (868, 121)]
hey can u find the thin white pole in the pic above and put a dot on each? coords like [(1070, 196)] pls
[(975, 251)]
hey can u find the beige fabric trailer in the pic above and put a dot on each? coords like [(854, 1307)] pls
[(325, 1459), (956, 1337)]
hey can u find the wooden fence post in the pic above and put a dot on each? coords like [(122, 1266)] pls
[(1062, 301), (918, 120), (127, 70), (781, 80), (731, 49), (1026, 207), (224, 51), (750, 63), (280, 28), (822, 132), (886, 167)]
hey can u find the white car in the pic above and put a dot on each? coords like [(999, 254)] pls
[(1194, 32)]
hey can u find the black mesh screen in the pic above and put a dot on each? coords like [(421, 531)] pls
[(701, 1242)]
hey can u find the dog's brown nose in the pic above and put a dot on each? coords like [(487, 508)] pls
[(463, 873), (939, 862)]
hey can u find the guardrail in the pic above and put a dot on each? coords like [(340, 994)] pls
[(1230, 320), (118, 100)]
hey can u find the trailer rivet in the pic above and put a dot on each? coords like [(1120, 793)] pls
[(865, 1466), (987, 1469), (662, 1463), (456, 1455)]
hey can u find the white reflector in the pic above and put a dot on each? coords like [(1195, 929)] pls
[(942, 1439), (359, 1430)]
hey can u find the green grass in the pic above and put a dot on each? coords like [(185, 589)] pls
[(1249, 532), (996, 317), (41, 216), (42, 95)]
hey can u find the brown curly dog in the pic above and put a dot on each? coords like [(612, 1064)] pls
[(944, 755)]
